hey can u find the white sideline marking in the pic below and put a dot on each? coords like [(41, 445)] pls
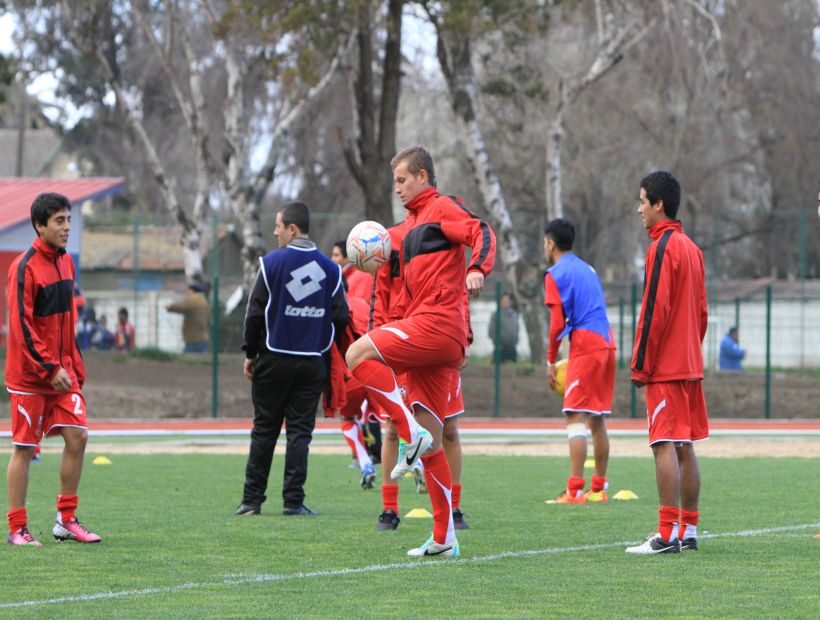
[(241, 579)]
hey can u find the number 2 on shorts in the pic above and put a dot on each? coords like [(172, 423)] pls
[(78, 404)]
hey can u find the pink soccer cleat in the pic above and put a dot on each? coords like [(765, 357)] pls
[(74, 530), (24, 537)]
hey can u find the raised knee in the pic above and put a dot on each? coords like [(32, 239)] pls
[(353, 357)]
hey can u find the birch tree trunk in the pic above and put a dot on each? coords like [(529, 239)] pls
[(246, 193), (615, 37), (454, 55), (190, 236)]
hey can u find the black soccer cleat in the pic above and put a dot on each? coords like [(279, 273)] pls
[(459, 522), (689, 544), (388, 520), (300, 510), (247, 509)]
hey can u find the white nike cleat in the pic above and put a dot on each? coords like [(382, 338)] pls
[(654, 545), (432, 548), (410, 453)]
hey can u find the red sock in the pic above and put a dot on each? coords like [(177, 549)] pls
[(66, 505), (456, 496), (668, 522), (689, 523), (575, 486), (380, 384), (598, 483), (440, 487), (390, 497), (17, 519)]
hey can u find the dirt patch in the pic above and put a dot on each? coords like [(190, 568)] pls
[(619, 447), (127, 387)]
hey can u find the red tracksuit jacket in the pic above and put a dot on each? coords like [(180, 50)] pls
[(672, 324), (390, 302), (433, 258), (41, 321)]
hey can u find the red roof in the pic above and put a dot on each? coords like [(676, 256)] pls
[(17, 194)]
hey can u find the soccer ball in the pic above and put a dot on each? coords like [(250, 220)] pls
[(368, 246), (560, 376)]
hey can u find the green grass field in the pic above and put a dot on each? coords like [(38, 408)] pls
[(172, 548)]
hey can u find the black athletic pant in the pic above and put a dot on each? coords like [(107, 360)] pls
[(285, 388)]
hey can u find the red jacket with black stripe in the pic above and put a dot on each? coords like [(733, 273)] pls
[(41, 320), (390, 299), (433, 258), (672, 323)]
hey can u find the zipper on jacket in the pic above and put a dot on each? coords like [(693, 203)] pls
[(60, 299)]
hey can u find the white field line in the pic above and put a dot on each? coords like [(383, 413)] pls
[(523, 432), (242, 579)]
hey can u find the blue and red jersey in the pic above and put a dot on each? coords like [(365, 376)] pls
[(575, 297)]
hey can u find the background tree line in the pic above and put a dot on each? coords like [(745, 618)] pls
[(532, 110)]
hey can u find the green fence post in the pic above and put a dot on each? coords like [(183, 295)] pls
[(214, 320), (768, 407), (135, 268), (497, 352), (633, 394), (621, 346)]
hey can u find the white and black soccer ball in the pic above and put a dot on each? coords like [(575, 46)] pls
[(368, 246)]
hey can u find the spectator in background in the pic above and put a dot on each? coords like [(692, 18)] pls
[(730, 352), (124, 333), (359, 283), (196, 322), (86, 328), (103, 337), (509, 331), (79, 301)]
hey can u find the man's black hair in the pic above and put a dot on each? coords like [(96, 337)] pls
[(123, 312), (297, 213), (661, 185), (562, 232), (46, 205), (342, 245)]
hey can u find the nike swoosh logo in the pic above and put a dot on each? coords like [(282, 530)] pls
[(445, 550), (410, 459)]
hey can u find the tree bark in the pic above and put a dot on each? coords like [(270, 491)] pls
[(368, 158), (614, 39), (191, 232), (454, 55)]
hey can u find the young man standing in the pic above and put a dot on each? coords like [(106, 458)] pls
[(44, 370), (668, 361), (574, 295), (390, 295), (429, 342), (296, 307)]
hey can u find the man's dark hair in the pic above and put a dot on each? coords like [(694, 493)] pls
[(342, 245), (562, 232), (46, 205), (296, 213), (418, 158), (732, 330), (661, 185), (123, 312)]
